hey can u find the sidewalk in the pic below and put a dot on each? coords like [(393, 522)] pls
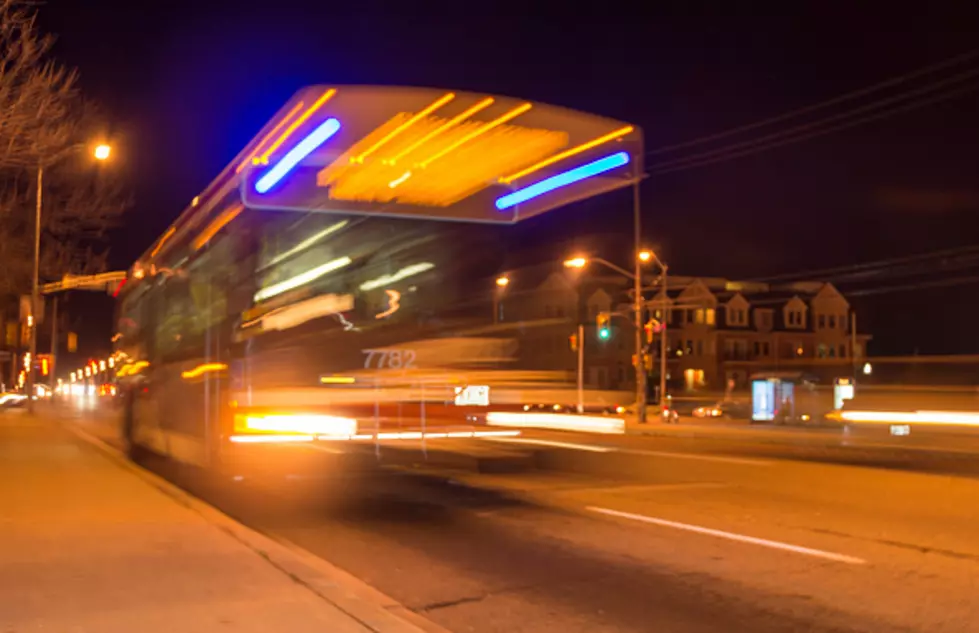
[(89, 542)]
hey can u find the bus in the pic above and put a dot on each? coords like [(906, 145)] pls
[(336, 282)]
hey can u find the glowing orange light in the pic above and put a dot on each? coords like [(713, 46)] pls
[(295, 124), (512, 114), (278, 126), (219, 223), (337, 380), (645, 256), (503, 281), (568, 153), (577, 262), (394, 304), (482, 105), (200, 370), (163, 240), (404, 126)]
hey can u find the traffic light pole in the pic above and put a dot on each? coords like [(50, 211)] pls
[(637, 307), (663, 340)]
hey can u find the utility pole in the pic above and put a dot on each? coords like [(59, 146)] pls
[(664, 297), (35, 293), (637, 261)]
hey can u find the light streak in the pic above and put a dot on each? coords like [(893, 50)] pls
[(302, 119), (557, 422), (219, 223), (563, 179), (298, 248), (163, 240), (482, 105), (512, 114), (404, 126), (200, 370), (394, 303), (272, 133), (302, 149), (568, 153), (302, 278), (404, 273)]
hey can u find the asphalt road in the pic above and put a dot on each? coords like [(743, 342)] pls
[(660, 533)]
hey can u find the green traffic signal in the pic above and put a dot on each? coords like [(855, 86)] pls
[(604, 333)]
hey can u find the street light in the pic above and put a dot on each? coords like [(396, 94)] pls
[(101, 152), (642, 256), (501, 284)]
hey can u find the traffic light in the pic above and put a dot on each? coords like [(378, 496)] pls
[(573, 341), (652, 327), (44, 366), (72, 342), (601, 321)]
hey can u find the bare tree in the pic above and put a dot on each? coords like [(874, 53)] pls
[(46, 123)]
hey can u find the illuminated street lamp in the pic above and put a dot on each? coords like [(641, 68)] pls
[(577, 262), (646, 256), (101, 153), (501, 285)]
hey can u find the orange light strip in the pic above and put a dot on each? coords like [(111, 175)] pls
[(200, 370), (163, 241), (404, 126), (295, 124), (568, 153), (482, 105), (219, 223), (265, 138), (512, 114)]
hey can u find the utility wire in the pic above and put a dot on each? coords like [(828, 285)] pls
[(844, 116), (894, 81), (700, 161), (882, 263)]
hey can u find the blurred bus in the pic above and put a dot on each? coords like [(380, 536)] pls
[(248, 326)]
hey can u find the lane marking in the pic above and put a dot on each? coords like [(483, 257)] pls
[(554, 443), (731, 536), (706, 458)]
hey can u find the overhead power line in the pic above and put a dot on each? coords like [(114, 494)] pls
[(730, 153), (894, 81), (867, 266)]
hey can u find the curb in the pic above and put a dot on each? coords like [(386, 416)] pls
[(355, 598)]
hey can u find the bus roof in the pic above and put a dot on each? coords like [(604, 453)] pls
[(421, 152)]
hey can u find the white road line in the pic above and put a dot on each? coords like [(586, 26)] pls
[(818, 553), (556, 444), (706, 458)]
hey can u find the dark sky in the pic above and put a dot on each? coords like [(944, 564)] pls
[(187, 84)]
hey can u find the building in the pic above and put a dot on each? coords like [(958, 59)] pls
[(719, 332)]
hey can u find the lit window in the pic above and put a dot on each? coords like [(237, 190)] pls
[(710, 316), (699, 315)]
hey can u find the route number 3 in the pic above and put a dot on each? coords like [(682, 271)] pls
[(389, 358)]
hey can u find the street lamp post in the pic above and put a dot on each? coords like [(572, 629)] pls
[(501, 283), (101, 152), (641, 257)]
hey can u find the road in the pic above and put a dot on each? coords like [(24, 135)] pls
[(658, 533)]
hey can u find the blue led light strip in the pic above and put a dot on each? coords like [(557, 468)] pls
[(303, 148), (565, 178)]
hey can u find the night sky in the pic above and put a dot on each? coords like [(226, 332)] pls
[(186, 87)]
